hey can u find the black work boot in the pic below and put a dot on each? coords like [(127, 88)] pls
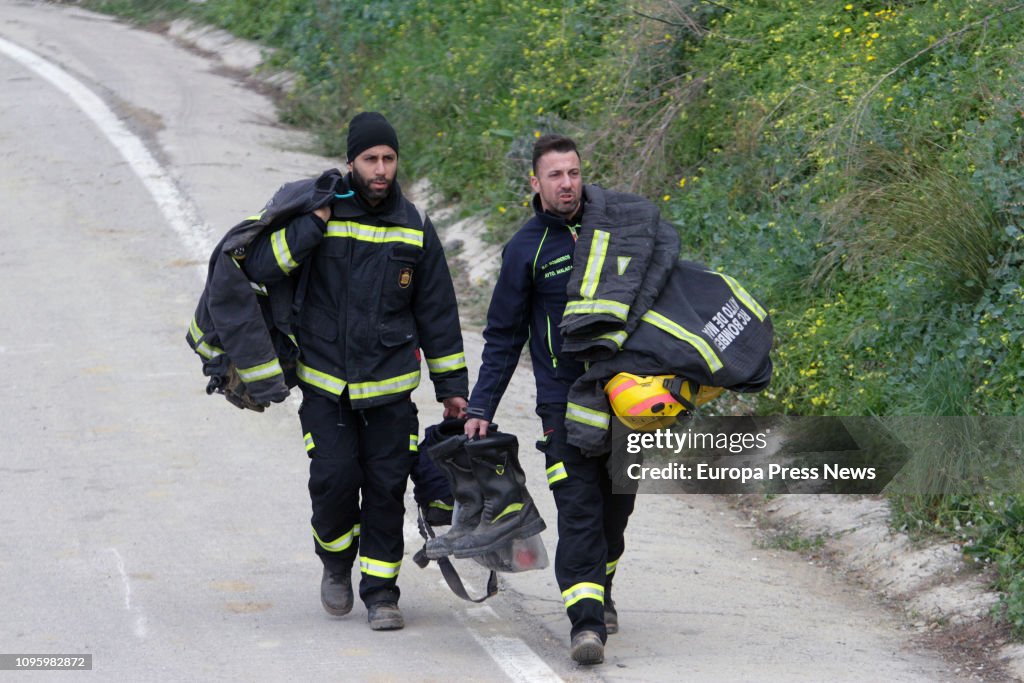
[(336, 591), (508, 510), (438, 513), (611, 615), (587, 648), (451, 458), (384, 616)]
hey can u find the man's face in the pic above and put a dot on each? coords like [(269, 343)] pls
[(373, 172), (559, 183)]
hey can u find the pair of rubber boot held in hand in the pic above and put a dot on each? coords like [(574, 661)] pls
[(492, 506)]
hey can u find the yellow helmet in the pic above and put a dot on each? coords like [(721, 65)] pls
[(653, 401)]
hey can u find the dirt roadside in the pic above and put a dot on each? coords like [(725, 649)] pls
[(944, 602)]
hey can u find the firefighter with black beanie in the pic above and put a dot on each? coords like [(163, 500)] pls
[(377, 293)]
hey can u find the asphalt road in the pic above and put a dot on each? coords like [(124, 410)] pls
[(166, 533)]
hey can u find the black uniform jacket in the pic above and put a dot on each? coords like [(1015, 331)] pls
[(527, 304), (378, 290)]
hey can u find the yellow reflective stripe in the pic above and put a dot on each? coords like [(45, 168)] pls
[(595, 262), (440, 505), (514, 507), (262, 371), (321, 380), (339, 544), (456, 361), (384, 570), (587, 416), (652, 317), (282, 253), (308, 438), (557, 473), (414, 443), (611, 566), (583, 591), (590, 306), (617, 338), (207, 351), (394, 385), (744, 296), (376, 234), (258, 288), (537, 254)]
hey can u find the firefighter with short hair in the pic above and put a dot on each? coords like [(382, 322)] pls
[(527, 305)]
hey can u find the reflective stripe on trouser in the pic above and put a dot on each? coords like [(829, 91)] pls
[(358, 471), (591, 523)]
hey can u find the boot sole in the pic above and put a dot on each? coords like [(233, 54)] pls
[(532, 529), (387, 624), (336, 611), (588, 653)]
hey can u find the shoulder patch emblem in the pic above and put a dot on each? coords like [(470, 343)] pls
[(405, 277)]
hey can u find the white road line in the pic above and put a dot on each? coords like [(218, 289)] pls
[(515, 657), (139, 626), (176, 207)]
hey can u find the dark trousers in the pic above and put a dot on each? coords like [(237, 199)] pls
[(358, 469), (591, 523)]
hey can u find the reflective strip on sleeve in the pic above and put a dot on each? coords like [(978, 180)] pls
[(394, 385), (282, 253), (587, 416), (456, 361), (652, 317), (617, 338), (557, 473), (611, 566), (591, 306), (321, 380), (744, 296), (375, 234), (207, 351), (440, 505), (414, 443), (308, 438), (339, 544), (595, 262), (379, 568), (583, 591), (258, 372), (258, 288)]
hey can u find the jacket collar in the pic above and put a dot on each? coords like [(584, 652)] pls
[(550, 220), (391, 210)]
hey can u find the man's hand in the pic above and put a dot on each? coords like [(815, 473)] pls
[(476, 428), (455, 407)]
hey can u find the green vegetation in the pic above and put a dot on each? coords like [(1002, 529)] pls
[(794, 541), (859, 167)]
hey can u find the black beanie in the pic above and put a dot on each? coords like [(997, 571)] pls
[(367, 130)]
